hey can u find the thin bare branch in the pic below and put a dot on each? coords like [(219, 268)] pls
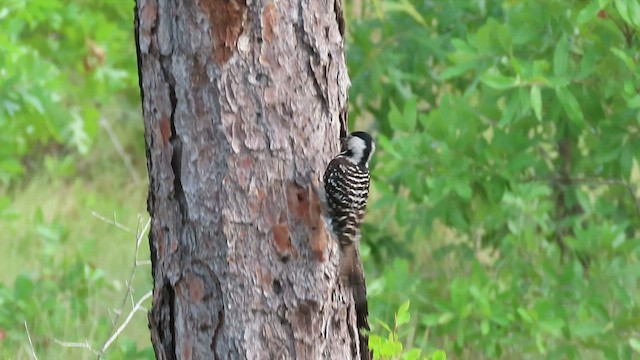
[(113, 222), (129, 293), (33, 350), (115, 335), (120, 149), (80, 345)]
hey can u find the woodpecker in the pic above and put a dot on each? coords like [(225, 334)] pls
[(346, 185)]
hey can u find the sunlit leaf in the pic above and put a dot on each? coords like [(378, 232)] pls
[(570, 105), (536, 101), (561, 56)]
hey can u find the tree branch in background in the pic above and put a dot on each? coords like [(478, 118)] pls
[(115, 332), (120, 149)]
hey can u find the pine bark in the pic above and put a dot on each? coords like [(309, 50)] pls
[(243, 105)]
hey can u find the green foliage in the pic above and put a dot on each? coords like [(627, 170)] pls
[(68, 281), (65, 67), (62, 66), (509, 142), (394, 345), (53, 297)]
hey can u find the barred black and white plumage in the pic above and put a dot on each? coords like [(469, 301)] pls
[(346, 185)]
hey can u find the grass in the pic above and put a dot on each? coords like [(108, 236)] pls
[(64, 270)]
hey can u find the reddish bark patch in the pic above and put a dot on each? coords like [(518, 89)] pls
[(261, 195), (267, 280), (255, 203), (187, 350), (149, 12), (165, 130), (196, 288), (297, 200), (318, 237), (173, 243), (225, 21), (281, 238), (243, 166), (303, 203), (245, 162), (147, 19), (269, 21)]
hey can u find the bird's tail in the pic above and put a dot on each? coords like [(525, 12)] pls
[(352, 273)]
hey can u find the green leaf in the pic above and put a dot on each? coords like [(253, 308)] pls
[(536, 101), (407, 120), (11, 166), (634, 12), (570, 105), (540, 343), (587, 330), (403, 316), (484, 327), (525, 315), (635, 344), (24, 287), (439, 355), (509, 112), (621, 5), (33, 101), (383, 324), (445, 318), (375, 341), (391, 348), (406, 7), (388, 146), (395, 117), (626, 59), (413, 354), (456, 70), (498, 81), (463, 190), (588, 13), (410, 114), (561, 56), (634, 102)]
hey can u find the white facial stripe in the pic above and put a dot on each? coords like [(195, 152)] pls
[(373, 149), (357, 146)]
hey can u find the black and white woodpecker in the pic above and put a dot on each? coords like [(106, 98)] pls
[(346, 185)]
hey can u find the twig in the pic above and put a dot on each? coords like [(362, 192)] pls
[(120, 149), (81, 345), (115, 335), (33, 350), (129, 294), (113, 222), (115, 332)]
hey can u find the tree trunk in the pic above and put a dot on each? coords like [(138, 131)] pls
[(243, 106)]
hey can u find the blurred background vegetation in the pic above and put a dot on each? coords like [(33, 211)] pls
[(505, 212)]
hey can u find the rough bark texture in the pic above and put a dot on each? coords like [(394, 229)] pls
[(243, 105)]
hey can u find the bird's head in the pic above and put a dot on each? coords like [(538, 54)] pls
[(358, 148)]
